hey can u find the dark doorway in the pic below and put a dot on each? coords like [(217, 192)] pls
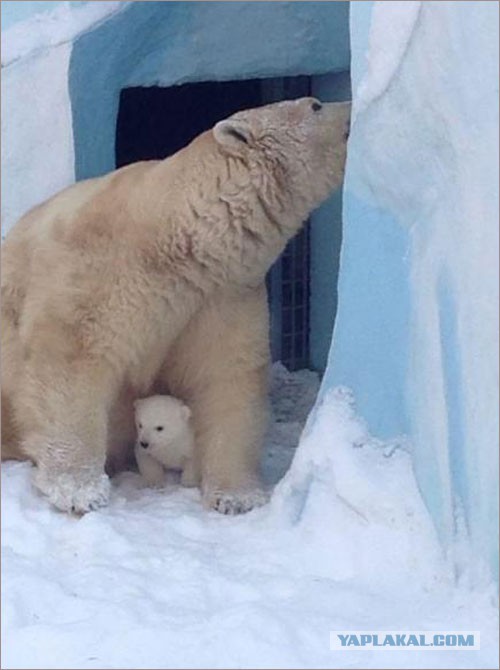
[(155, 122)]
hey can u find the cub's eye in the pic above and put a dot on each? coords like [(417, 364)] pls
[(159, 428), (140, 425), (316, 106)]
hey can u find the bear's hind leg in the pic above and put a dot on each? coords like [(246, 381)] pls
[(232, 417)]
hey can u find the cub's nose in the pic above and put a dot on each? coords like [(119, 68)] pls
[(145, 445)]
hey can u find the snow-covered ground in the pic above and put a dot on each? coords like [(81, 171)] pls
[(156, 581)]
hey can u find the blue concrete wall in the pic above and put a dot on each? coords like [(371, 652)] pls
[(168, 43)]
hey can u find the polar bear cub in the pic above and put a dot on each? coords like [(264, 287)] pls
[(165, 439)]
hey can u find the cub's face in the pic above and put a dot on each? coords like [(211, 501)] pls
[(159, 421), (304, 138)]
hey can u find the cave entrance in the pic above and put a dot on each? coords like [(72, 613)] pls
[(154, 122)]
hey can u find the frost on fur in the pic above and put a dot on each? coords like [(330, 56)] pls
[(70, 493)]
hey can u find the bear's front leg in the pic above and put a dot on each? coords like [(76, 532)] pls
[(65, 432), (232, 416), (219, 366)]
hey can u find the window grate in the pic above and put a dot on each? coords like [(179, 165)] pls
[(293, 302)]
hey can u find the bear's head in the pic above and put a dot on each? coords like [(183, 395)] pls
[(300, 143), (160, 420)]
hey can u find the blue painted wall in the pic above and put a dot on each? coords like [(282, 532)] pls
[(168, 43), (371, 340), (416, 333), (370, 350)]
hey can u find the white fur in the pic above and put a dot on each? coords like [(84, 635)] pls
[(165, 439)]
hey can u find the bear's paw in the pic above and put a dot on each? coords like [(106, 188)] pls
[(70, 492), (234, 502)]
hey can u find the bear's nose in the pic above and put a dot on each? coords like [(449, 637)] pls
[(145, 444), (347, 130)]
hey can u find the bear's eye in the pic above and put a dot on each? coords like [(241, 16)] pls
[(316, 106), (159, 428), (140, 425)]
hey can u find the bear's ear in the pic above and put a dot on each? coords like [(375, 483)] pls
[(137, 403), (185, 412), (232, 134)]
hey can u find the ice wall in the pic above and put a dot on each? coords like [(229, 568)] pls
[(416, 334)]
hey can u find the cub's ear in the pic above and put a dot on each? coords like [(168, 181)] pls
[(232, 134), (186, 412), (137, 403)]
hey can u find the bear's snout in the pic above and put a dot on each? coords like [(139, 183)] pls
[(144, 444), (347, 130)]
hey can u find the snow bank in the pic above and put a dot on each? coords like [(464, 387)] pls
[(356, 501), (156, 581)]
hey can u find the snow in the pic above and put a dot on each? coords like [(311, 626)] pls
[(155, 581)]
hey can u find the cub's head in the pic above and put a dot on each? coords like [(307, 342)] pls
[(159, 420), (302, 142)]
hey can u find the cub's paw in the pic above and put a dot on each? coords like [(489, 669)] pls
[(72, 493), (234, 502)]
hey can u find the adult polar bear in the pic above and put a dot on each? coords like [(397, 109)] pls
[(151, 280)]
